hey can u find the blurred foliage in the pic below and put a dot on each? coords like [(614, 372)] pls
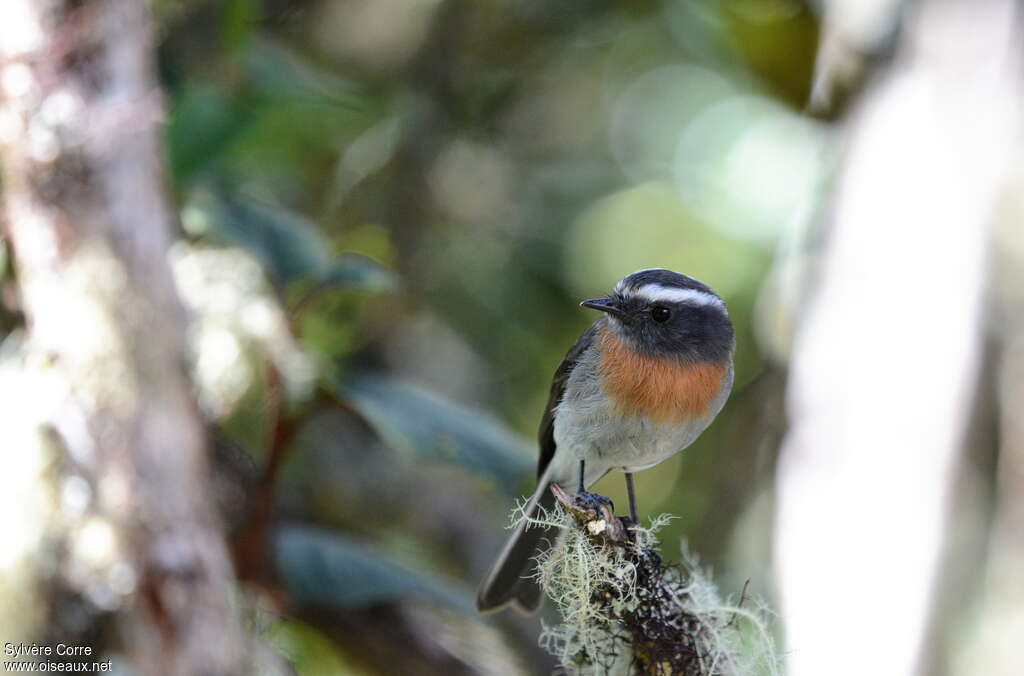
[(326, 569), (416, 422), (430, 188)]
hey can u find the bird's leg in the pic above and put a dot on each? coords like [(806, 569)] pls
[(592, 499), (632, 497)]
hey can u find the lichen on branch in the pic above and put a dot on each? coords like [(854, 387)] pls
[(626, 611)]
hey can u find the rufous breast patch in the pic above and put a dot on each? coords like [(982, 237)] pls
[(662, 389)]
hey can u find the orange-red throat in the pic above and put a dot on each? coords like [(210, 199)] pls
[(662, 389)]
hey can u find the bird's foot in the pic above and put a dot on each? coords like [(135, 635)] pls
[(595, 512), (594, 501)]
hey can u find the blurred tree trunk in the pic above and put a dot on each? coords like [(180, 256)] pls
[(888, 355), (990, 644), (134, 537)]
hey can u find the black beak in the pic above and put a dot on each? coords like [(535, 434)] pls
[(609, 305)]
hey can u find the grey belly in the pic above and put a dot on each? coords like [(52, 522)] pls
[(586, 427)]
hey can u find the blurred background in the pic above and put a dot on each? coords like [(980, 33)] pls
[(390, 210)]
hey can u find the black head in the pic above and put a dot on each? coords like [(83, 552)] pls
[(666, 314)]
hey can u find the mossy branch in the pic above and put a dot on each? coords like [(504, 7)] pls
[(625, 611)]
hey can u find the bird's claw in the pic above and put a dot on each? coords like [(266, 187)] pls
[(593, 511), (594, 501)]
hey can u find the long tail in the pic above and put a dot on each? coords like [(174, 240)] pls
[(511, 577)]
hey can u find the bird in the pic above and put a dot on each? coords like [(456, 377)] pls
[(638, 386)]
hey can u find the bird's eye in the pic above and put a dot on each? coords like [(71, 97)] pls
[(660, 313)]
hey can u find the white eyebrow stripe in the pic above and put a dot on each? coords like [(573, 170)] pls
[(620, 287), (669, 294)]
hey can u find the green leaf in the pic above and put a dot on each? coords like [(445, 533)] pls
[(309, 651), (424, 425), (276, 72), (239, 20), (289, 246), (355, 272), (204, 121), (321, 568)]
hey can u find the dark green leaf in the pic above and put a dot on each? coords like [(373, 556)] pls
[(276, 72), (204, 122), (321, 568), (423, 424), (288, 245), (354, 272)]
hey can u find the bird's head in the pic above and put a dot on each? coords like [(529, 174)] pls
[(663, 313)]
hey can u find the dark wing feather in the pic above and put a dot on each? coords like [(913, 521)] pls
[(546, 435)]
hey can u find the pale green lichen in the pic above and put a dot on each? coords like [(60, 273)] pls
[(623, 611)]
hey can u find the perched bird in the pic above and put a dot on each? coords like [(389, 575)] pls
[(639, 386)]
